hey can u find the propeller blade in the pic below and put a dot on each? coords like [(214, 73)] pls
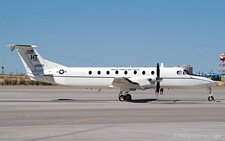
[(157, 78), (157, 87), (158, 70)]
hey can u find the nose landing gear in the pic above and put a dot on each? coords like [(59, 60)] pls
[(210, 98)]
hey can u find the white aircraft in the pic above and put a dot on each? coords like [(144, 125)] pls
[(125, 78)]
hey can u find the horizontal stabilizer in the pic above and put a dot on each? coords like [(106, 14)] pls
[(12, 46)]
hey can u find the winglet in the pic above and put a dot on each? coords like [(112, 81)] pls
[(12, 47)]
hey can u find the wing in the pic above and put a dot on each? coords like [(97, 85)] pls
[(133, 82), (123, 82)]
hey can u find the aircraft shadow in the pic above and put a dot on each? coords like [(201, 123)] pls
[(150, 100), (142, 100)]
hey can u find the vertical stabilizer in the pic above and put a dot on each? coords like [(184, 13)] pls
[(32, 60)]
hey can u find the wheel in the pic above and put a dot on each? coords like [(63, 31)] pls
[(210, 98), (121, 98), (156, 94), (161, 91), (128, 97)]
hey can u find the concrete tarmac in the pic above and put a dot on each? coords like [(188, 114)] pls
[(36, 113)]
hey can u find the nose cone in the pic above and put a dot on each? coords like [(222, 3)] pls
[(211, 83), (202, 81)]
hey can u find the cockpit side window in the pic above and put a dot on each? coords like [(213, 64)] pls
[(179, 72), (186, 72)]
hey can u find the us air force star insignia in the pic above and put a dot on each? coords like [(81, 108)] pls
[(61, 71)]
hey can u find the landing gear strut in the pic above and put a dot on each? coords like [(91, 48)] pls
[(210, 98), (124, 96)]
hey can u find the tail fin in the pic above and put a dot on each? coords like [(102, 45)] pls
[(32, 60)]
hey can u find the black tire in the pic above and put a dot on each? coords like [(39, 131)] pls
[(210, 98), (121, 98), (161, 91), (128, 97)]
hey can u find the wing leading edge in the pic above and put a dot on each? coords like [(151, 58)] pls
[(133, 82), (123, 82)]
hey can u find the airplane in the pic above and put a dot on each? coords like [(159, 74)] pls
[(124, 78)]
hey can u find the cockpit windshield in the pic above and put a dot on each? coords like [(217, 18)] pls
[(186, 72)]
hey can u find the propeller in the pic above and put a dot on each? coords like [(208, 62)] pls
[(158, 80)]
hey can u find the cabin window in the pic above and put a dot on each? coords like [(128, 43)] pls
[(90, 72), (135, 72), (179, 72), (152, 72), (107, 72), (143, 72), (99, 72), (116, 71), (125, 72)]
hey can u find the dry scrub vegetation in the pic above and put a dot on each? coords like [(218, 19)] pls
[(19, 80), (220, 83)]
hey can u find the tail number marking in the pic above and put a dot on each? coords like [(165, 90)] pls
[(39, 65), (33, 57)]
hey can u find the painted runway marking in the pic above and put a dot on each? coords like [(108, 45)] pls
[(46, 126), (80, 121)]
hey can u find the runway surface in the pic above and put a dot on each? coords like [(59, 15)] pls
[(35, 113)]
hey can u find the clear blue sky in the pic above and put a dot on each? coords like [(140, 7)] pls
[(106, 33)]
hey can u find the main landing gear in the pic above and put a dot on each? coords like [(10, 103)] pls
[(124, 96), (160, 92), (210, 98)]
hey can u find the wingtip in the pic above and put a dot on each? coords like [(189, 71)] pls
[(9, 45), (12, 46)]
